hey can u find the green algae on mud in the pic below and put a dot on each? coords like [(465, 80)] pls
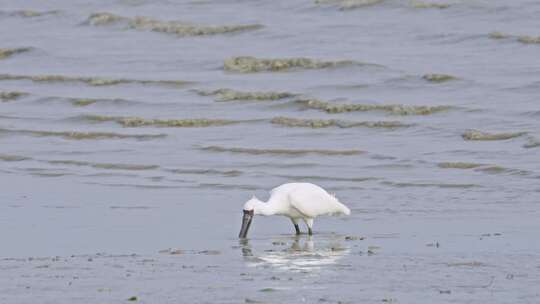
[(394, 109), (29, 13), (525, 39), (324, 123), (231, 95), (172, 123), (249, 64), (349, 4), (108, 166), (8, 96), (8, 52), (180, 29), (297, 152), (422, 4), (458, 165), (438, 78), (479, 135), (76, 135), (484, 168), (13, 158), (92, 81)]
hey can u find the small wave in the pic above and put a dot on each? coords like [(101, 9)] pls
[(9, 96), (13, 158), (438, 78), (74, 135), (28, 13), (392, 109), (253, 151), (479, 135), (92, 81), (228, 173), (180, 29), (231, 95), (428, 185), (421, 4), (5, 53), (491, 169), (248, 64), (324, 123), (525, 39), (326, 178), (176, 123), (349, 4), (108, 166)]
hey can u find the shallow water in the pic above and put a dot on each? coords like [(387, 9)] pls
[(123, 171)]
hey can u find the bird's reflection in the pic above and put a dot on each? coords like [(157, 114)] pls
[(294, 253)]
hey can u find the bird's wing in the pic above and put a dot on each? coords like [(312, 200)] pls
[(309, 204)]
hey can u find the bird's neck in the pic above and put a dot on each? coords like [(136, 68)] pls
[(264, 208)]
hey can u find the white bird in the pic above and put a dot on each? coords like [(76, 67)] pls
[(296, 201)]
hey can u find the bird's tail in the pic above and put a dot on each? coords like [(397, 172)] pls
[(343, 209)]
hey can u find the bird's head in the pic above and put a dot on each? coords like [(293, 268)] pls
[(249, 212)]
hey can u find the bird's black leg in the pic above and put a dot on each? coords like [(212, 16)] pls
[(310, 232), (297, 228)]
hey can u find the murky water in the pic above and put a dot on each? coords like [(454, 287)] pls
[(132, 131)]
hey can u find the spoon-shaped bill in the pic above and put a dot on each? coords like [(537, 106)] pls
[(246, 222)]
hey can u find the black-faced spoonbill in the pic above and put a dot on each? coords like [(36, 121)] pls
[(296, 201)]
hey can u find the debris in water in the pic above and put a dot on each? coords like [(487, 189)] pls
[(532, 143), (134, 298), (354, 238)]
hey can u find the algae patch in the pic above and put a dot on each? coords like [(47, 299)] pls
[(92, 81), (459, 165), (74, 135), (173, 123), (394, 109), (231, 95), (438, 78), (7, 52), (13, 158), (180, 29), (296, 152), (421, 4), (29, 13), (349, 4), (108, 166), (479, 135), (525, 39), (9, 96), (248, 64), (322, 123)]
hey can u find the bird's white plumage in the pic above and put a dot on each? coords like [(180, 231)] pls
[(297, 201)]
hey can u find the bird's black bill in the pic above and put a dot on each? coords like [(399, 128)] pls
[(246, 222)]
